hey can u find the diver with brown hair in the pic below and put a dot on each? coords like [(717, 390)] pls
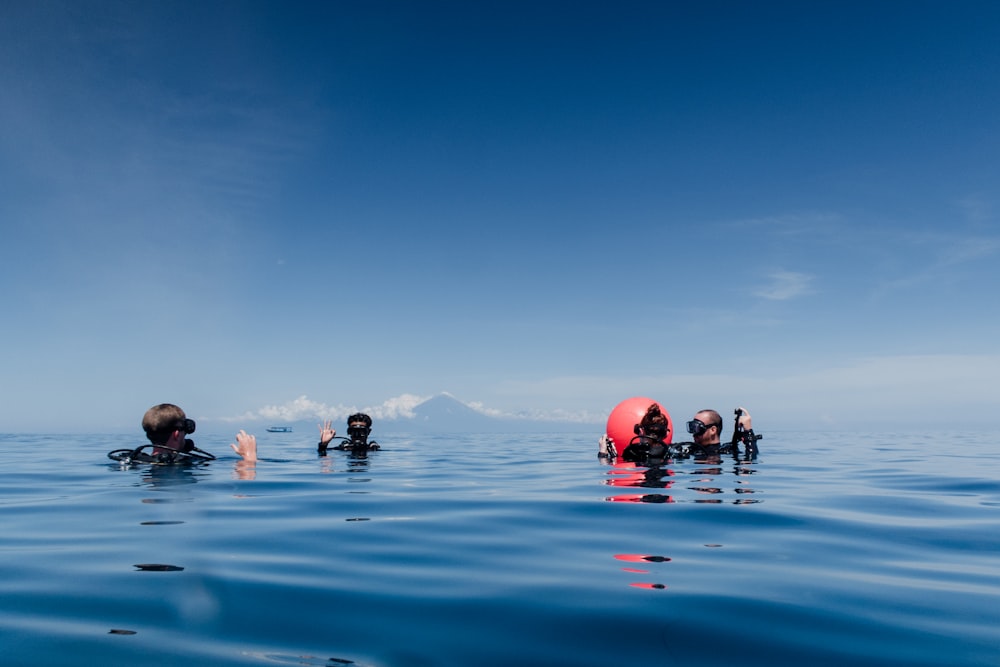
[(167, 427), (650, 434)]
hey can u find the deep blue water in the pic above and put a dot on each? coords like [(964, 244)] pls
[(830, 549)]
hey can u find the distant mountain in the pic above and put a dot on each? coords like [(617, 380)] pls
[(446, 411), (446, 414)]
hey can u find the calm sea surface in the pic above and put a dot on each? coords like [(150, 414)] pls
[(830, 549)]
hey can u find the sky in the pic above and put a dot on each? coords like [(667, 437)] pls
[(264, 210)]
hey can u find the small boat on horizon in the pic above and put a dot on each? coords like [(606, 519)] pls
[(279, 429)]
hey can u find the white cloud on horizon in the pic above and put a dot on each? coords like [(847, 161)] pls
[(303, 407), (892, 392), (398, 407)]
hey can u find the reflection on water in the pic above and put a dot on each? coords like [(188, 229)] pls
[(168, 475), (158, 567), (710, 478), (501, 550), (644, 559)]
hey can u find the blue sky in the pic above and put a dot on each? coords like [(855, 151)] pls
[(273, 210)]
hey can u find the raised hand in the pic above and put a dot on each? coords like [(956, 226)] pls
[(745, 420), (326, 432), (247, 447)]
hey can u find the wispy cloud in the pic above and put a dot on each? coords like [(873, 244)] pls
[(823, 224), (977, 210), (944, 255), (785, 285), (969, 249)]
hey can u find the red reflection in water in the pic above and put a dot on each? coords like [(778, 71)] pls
[(641, 498), (642, 558), (629, 474)]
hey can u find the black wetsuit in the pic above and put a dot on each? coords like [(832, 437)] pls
[(349, 446)]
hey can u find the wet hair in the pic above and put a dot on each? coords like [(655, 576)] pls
[(359, 417), (160, 421), (716, 419), (654, 422)]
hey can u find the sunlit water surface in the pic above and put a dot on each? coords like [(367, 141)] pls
[(830, 549)]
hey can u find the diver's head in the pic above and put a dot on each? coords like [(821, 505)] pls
[(359, 426), (706, 427), (654, 423), (161, 422)]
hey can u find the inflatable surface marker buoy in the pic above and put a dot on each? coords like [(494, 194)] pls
[(623, 419)]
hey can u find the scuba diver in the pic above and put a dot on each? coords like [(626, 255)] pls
[(648, 446), (167, 426), (706, 429), (648, 443), (359, 427)]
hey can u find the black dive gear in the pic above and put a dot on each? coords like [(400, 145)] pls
[(746, 436), (696, 427), (169, 456), (644, 449), (163, 434)]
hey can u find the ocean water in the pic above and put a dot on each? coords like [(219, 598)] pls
[(829, 549)]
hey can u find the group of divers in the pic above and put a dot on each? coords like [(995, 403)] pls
[(167, 427)]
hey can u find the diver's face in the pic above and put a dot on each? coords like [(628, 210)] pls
[(705, 432), (358, 432)]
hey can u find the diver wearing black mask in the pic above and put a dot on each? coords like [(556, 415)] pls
[(167, 428), (359, 427)]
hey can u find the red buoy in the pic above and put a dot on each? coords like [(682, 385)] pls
[(626, 415)]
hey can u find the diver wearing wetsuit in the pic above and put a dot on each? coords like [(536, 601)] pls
[(650, 434), (166, 426), (649, 448), (359, 427)]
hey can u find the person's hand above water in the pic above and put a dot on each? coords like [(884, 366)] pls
[(606, 446), (247, 447), (745, 420), (326, 432)]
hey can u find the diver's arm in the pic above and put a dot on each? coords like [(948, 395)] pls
[(744, 433), (606, 447), (326, 434), (746, 423)]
